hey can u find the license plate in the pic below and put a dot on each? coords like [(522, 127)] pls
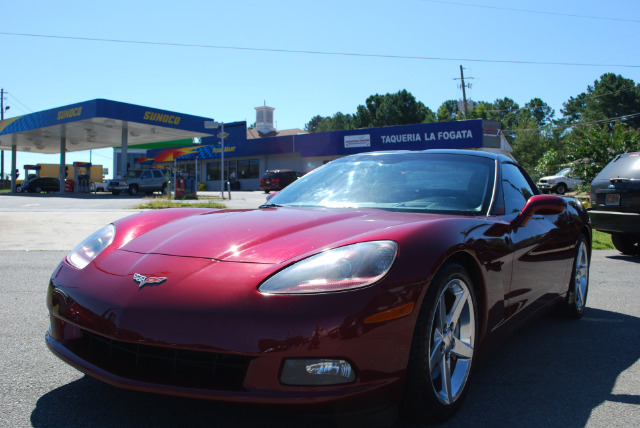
[(612, 199)]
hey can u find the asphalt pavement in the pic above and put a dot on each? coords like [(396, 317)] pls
[(60, 221)]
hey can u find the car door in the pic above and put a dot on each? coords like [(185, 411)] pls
[(542, 249), (158, 180), (146, 181)]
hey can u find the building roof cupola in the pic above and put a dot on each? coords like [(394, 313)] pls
[(264, 120)]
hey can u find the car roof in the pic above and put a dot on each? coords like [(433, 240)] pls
[(477, 153)]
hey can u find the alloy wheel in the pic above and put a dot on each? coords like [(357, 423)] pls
[(451, 341)]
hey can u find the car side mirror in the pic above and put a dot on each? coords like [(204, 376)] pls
[(539, 205)]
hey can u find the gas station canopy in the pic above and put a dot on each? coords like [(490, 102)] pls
[(94, 125)]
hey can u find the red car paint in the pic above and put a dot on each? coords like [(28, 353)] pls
[(214, 262)]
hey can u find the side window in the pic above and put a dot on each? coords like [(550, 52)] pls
[(145, 175), (516, 188)]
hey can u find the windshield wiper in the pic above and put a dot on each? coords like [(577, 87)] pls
[(270, 206)]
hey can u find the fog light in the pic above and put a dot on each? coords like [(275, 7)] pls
[(316, 372)]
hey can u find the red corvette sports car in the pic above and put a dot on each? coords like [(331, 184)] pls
[(377, 278)]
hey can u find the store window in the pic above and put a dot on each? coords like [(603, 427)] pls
[(248, 168), (213, 171), (230, 171)]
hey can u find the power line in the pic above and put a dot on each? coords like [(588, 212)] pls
[(291, 51), (536, 107), (540, 12), (28, 110), (571, 125)]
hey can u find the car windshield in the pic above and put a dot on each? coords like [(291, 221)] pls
[(406, 181), (565, 172), (133, 174)]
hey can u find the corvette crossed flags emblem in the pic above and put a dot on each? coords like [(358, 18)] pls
[(148, 280)]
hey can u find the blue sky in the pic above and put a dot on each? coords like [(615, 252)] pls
[(221, 59)]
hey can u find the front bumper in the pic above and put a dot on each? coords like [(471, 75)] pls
[(119, 187), (221, 345)]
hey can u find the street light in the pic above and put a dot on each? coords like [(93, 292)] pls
[(212, 124)]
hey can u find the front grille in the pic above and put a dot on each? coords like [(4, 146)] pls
[(160, 365)]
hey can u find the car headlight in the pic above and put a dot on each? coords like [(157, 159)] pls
[(552, 181), (89, 249), (339, 269)]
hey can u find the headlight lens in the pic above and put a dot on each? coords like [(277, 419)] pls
[(343, 268), (89, 249)]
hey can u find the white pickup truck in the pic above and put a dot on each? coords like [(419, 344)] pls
[(98, 187), (560, 183)]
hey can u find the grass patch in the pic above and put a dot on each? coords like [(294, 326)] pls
[(602, 241), (161, 203)]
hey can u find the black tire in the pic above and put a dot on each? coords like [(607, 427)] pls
[(576, 300), (38, 189), (430, 394), (561, 189), (164, 189), (627, 245), (133, 190)]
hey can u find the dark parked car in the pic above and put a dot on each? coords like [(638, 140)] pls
[(376, 278), (278, 179), (40, 184), (615, 202)]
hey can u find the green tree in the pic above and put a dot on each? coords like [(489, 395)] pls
[(481, 110), (537, 111), (400, 108), (337, 122), (591, 148), (550, 163), (531, 143), (448, 111), (313, 124), (506, 111), (613, 96)]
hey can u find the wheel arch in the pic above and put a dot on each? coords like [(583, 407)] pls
[(588, 233), (471, 265)]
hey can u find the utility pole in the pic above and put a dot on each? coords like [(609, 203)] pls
[(2, 151), (215, 125), (464, 92)]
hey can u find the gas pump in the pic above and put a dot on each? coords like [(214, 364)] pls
[(31, 171), (82, 181)]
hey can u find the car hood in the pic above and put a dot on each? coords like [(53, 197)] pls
[(552, 177), (271, 235)]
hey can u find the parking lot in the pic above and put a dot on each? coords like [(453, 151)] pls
[(554, 372)]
